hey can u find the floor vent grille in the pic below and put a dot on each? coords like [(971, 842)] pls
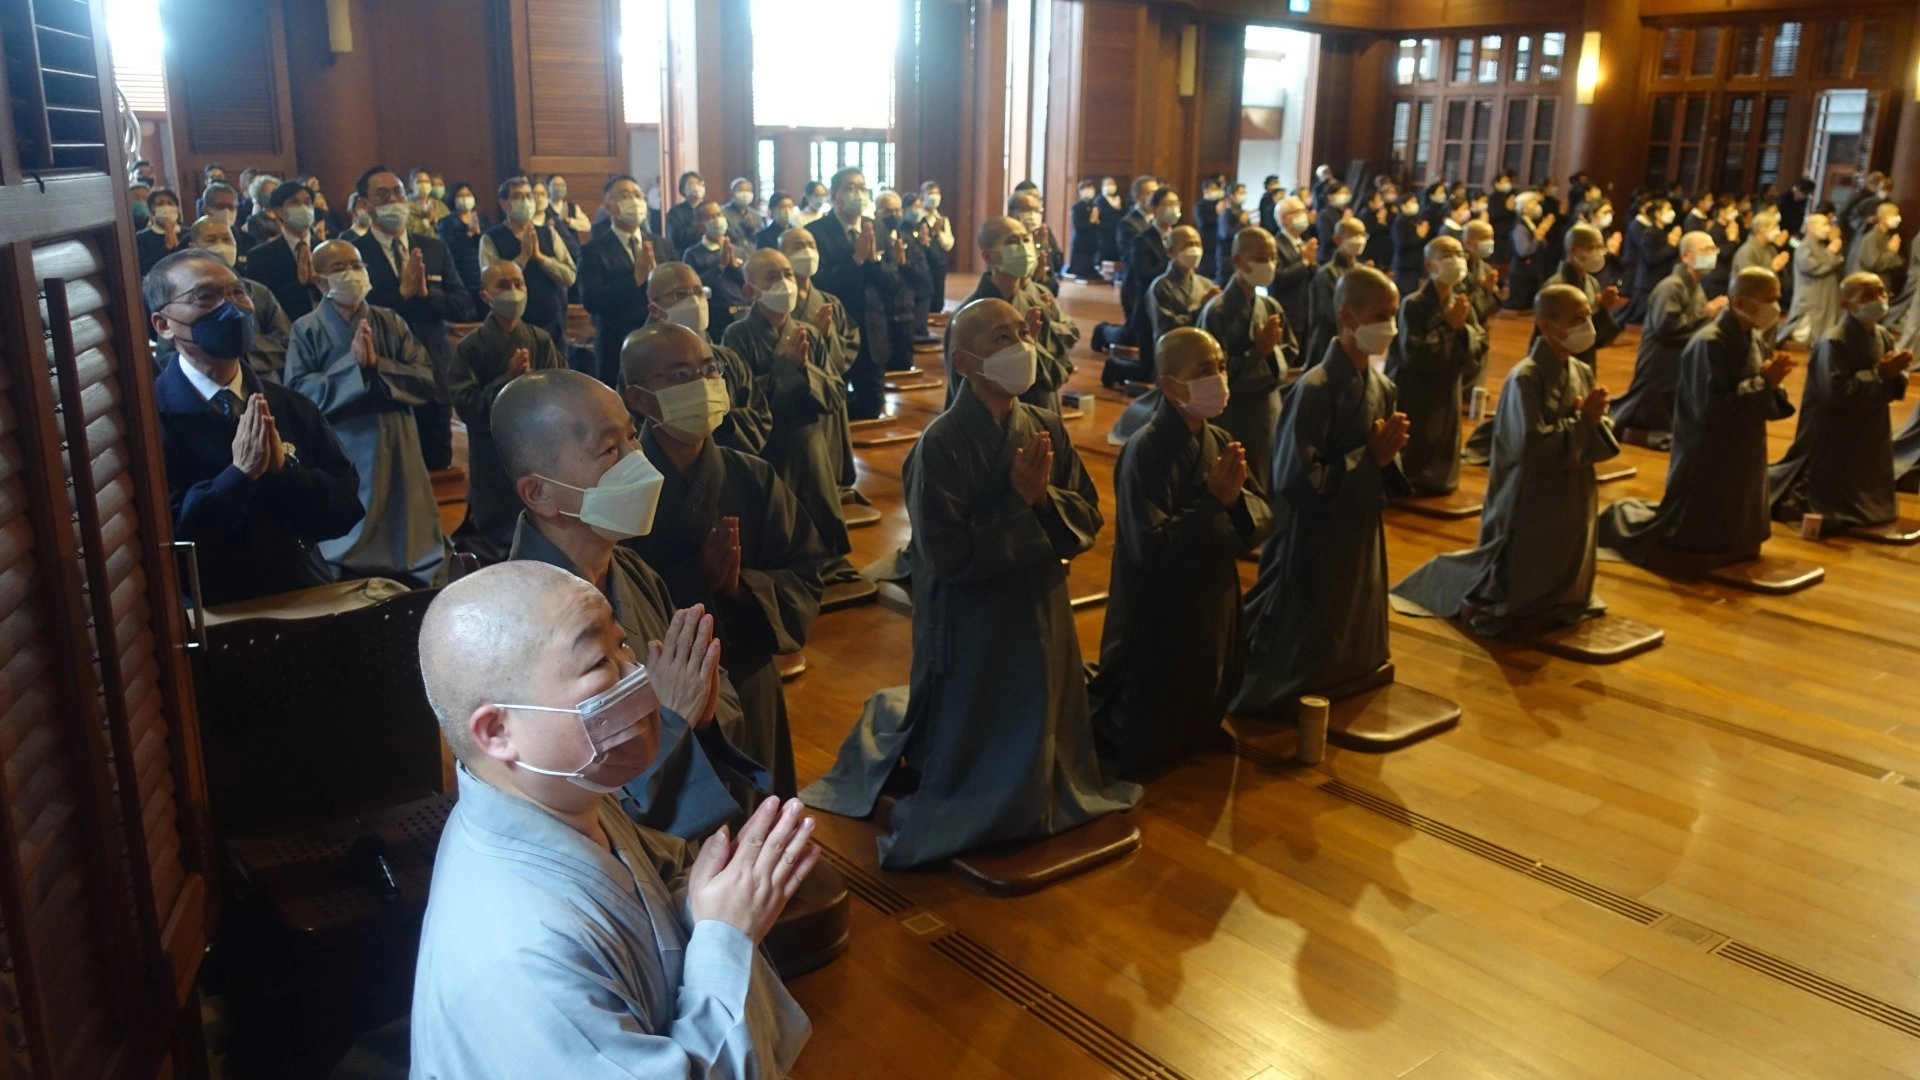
[(861, 882), (1819, 985)]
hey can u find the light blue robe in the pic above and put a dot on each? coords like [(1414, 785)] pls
[(544, 955), (371, 410)]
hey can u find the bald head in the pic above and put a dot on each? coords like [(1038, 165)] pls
[(792, 240), (993, 232), (207, 231), (1584, 237), (333, 256), (1695, 243), (1862, 287), (1187, 351), (1559, 305), (1364, 293), (541, 414), (765, 269), (504, 274), (485, 633), (1755, 283), (1442, 247), (660, 345), (1349, 227), (1254, 242), (979, 324), (671, 277)]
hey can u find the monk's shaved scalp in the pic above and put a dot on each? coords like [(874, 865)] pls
[(328, 256), (1558, 304), (1352, 226), (1361, 288), (993, 232), (1254, 240), (762, 261), (1861, 284), (203, 227), (671, 277), (655, 344), (1754, 281), (977, 319), (1584, 236), (538, 414), (1442, 247), (485, 634), (1697, 241), (1476, 229), (491, 276), (1180, 351), (794, 240), (1183, 232)]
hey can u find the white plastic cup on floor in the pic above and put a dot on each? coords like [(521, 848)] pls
[(1477, 404), (1312, 716), (1810, 525)]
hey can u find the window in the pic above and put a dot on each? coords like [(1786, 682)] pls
[(1875, 41), (1706, 52), (1402, 131), (133, 37), (1523, 58), (1831, 59), (1553, 53), (1773, 134), (1415, 61), (1456, 131), (1675, 138), (792, 87), (1463, 60), (1786, 51), (1736, 133), (1746, 51), (1423, 139), (763, 179), (1490, 59), (643, 38), (871, 156), (1673, 48)]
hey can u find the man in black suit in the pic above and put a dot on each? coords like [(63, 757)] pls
[(414, 277), (614, 266), (255, 476), (285, 263), (851, 268)]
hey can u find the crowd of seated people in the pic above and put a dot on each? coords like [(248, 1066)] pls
[(683, 475)]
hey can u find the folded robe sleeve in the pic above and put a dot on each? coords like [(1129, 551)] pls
[(781, 595), (1314, 480), (1178, 526), (1559, 444), (968, 545)]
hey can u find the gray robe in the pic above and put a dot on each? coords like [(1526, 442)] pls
[(1816, 294), (1323, 319), (1536, 552), (781, 560), (475, 377), (1172, 651), (543, 954), (749, 419), (809, 410), (842, 346), (1174, 303), (996, 721), (1872, 253), (1056, 340), (1716, 497), (1755, 251), (271, 332), (371, 410), (1676, 308), (690, 788), (1317, 614), (1606, 330), (1253, 379), (1430, 364), (1906, 447), (1841, 462)]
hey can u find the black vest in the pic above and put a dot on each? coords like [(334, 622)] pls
[(546, 298)]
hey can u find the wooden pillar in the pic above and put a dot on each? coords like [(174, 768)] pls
[(1601, 135), (1906, 140), (983, 170)]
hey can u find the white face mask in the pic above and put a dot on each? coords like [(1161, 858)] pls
[(1295, 224), (299, 218), (1167, 216), (1603, 220), (690, 313), (463, 203), (779, 296), (392, 217), (1666, 217), (1374, 338), (224, 215), (805, 261), (1871, 313), (227, 252), (609, 719), (1578, 339), (1030, 219), (508, 304), (932, 201), (1704, 261), (787, 216), (1450, 270), (165, 215), (1590, 261), (520, 211), (1258, 274), (743, 198), (621, 504), (1019, 260), (716, 229), (1352, 246), (626, 213), (1013, 368), (1187, 257), (693, 409), (1206, 396), (1763, 317), (348, 287), (1341, 199)]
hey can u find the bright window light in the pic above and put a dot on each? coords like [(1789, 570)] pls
[(816, 72)]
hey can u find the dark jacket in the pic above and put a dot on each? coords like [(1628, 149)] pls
[(446, 299), (253, 537), (277, 267), (617, 302)]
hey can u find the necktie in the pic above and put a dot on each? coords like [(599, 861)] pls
[(399, 259), (227, 402), (633, 248)]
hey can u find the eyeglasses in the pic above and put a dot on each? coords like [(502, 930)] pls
[(667, 300), (207, 296), (679, 375)]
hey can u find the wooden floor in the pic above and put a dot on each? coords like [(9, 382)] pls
[(1704, 861)]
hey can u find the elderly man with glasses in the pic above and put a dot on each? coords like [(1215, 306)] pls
[(255, 476)]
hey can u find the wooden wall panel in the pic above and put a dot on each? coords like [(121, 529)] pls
[(1113, 41), (566, 88), (1222, 65), (228, 92)]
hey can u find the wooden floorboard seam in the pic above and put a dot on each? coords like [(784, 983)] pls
[(1728, 948)]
